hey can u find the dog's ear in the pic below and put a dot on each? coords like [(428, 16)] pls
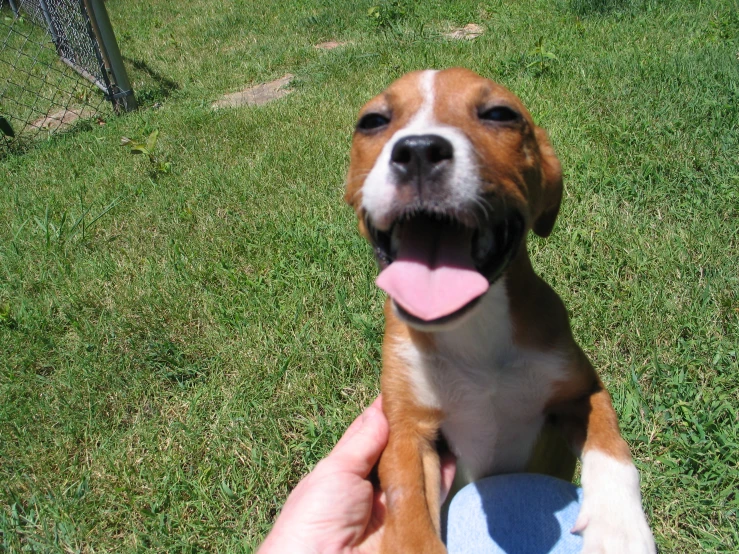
[(551, 186)]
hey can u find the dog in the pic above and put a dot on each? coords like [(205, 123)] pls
[(447, 175)]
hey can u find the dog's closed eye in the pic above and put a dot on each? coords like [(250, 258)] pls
[(372, 121), (502, 114)]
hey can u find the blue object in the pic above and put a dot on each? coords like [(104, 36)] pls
[(514, 514)]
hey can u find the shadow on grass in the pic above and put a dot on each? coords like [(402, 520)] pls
[(597, 7), (163, 85), (22, 143)]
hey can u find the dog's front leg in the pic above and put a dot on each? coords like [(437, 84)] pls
[(409, 473), (410, 477), (611, 518)]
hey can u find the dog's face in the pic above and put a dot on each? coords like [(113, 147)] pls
[(448, 173)]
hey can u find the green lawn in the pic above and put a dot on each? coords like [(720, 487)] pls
[(178, 348)]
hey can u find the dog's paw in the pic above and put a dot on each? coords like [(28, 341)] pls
[(620, 530), (611, 519)]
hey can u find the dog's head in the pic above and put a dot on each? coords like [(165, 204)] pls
[(448, 173)]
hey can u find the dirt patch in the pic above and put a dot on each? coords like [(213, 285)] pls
[(329, 45), (469, 32), (54, 120), (257, 95)]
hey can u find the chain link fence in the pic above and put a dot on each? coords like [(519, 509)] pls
[(53, 56)]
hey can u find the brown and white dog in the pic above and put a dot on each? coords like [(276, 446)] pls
[(448, 173)]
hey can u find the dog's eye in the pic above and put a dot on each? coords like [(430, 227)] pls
[(372, 121), (502, 114)]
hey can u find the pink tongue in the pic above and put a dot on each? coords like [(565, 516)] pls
[(433, 275)]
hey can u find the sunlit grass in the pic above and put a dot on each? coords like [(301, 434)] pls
[(169, 373)]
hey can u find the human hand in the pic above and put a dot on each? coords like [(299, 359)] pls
[(335, 508)]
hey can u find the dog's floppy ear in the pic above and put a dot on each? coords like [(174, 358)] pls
[(551, 186)]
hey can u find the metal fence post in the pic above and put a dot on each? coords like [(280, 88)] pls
[(14, 8), (49, 24), (111, 53)]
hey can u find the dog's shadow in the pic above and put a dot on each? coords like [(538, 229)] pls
[(521, 514)]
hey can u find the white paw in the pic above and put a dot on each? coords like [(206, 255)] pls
[(611, 518), (619, 531)]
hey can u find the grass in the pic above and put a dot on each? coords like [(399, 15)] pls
[(179, 348)]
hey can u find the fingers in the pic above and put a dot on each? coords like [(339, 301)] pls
[(448, 467), (360, 447)]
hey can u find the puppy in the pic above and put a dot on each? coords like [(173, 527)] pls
[(448, 174)]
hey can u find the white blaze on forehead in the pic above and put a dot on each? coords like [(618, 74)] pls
[(379, 189), (426, 84)]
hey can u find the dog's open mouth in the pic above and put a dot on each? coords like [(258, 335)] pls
[(436, 268)]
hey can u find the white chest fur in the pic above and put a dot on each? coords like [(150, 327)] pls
[(492, 392)]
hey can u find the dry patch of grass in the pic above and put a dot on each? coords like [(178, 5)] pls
[(258, 94), (329, 45), (471, 31)]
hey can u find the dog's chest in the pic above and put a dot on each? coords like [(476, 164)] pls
[(495, 413), (492, 392)]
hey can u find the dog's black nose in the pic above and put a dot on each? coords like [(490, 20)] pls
[(421, 157)]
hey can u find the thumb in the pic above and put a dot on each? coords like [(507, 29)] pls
[(359, 449)]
